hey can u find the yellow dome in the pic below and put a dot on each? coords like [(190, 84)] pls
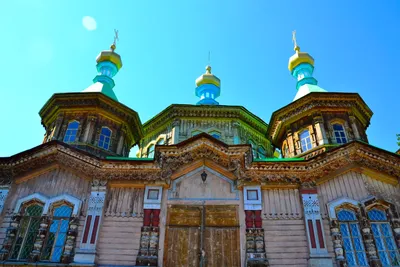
[(110, 55), (299, 58), (208, 78)]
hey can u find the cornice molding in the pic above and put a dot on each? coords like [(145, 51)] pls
[(178, 111), (319, 102), (170, 160)]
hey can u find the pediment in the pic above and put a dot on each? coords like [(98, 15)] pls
[(190, 186)]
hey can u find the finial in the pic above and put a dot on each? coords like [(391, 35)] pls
[(114, 44), (296, 47), (208, 69)]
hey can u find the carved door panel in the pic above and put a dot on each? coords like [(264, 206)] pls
[(183, 236)]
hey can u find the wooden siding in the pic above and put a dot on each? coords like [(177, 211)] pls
[(281, 204), (124, 202), (50, 184), (353, 185), (119, 240), (286, 243)]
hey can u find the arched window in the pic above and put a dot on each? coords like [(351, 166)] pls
[(72, 130), (261, 152), (253, 149), (383, 235), (339, 133), (57, 233), (161, 141), (105, 138), (28, 230), (352, 239), (150, 151), (305, 141)]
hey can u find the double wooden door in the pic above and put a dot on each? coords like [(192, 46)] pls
[(213, 228)]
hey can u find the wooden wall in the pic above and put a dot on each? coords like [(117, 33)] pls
[(50, 184), (285, 233), (119, 237), (353, 185)]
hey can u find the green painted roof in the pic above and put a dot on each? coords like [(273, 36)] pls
[(129, 159), (278, 159), (306, 89), (101, 88)]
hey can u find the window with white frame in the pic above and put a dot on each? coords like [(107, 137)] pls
[(104, 138), (57, 233), (384, 240), (352, 239), (150, 151), (72, 130), (339, 133), (305, 140), (27, 231)]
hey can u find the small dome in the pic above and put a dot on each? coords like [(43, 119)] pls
[(208, 78), (299, 58), (111, 56)]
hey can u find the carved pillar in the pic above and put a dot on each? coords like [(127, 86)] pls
[(320, 130), (291, 145), (87, 251), (354, 127), (314, 226), (58, 126), (34, 256), (71, 240), (296, 142), (120, 143), (255, 245), (368, 239), (148, 251), (337, 243), (87, 130), (10, 236), (175, 131)]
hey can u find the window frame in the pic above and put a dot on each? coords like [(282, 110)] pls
[(67, 135), (106, 145), (351, 237), (383, 238), (305, 138), (339, 131), (57, 233), (23, 209)]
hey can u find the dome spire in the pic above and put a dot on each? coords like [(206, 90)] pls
[(108, 65), (301, 66), (208, 86)]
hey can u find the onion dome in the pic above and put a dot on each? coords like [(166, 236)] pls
[(301, 66), (208, 88), (108, 65)]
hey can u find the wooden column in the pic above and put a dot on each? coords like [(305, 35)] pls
[(87, 251), (314, 227)]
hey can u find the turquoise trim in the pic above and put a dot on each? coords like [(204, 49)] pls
[(207, 94), (278, 160), (129, 159)]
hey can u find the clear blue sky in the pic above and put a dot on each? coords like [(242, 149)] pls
[(164, 47)]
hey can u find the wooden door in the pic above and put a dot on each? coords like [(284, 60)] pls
[(221, 236)]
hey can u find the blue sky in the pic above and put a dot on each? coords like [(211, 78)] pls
[(164, 47)]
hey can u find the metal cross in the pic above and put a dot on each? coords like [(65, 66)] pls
[(294, 38), (116, 36)]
